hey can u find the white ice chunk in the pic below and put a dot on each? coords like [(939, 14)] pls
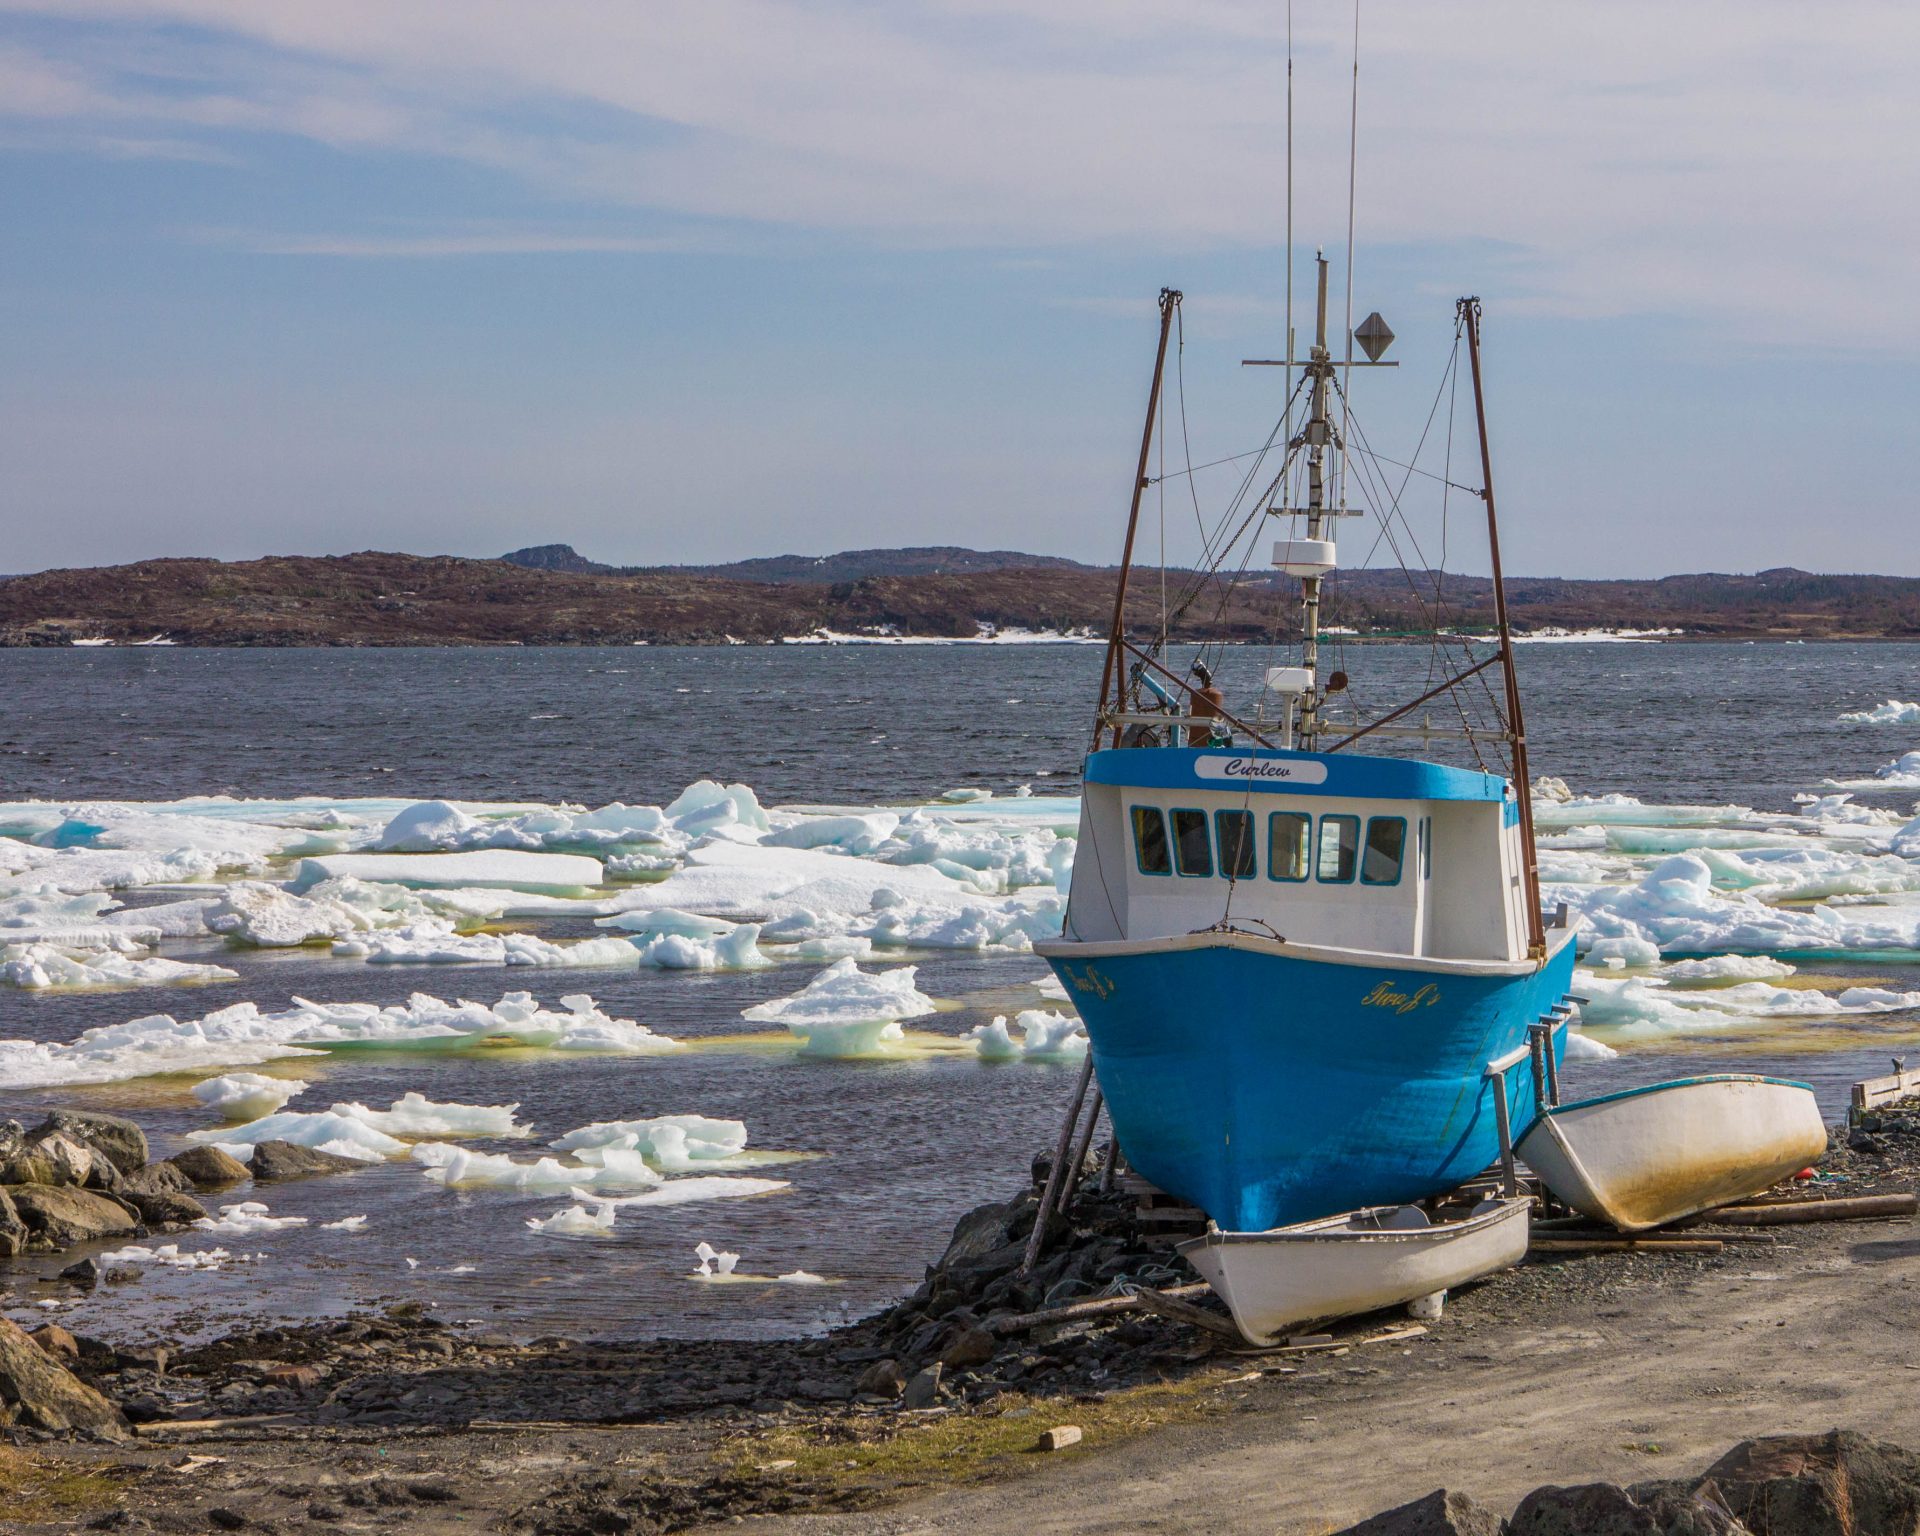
[(1581, 1047), (565, 874), (340, 1130), (345, 1224), (576, 1221), (245, 1217), (845, 992), (1725, 970), (168, 1254), (1893, 712), (243, 1096), (1044, 1036), (713, 1262), (45, 967), (671, 1141)]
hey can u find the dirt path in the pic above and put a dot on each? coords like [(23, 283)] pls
[(1650, 1376)]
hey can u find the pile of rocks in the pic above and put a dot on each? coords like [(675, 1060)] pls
[(79, 1175), (1838, 1484), (950, 1338)]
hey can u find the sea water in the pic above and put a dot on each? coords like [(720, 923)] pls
[(896, 1148)]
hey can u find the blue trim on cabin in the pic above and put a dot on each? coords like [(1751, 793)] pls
[(1679, 1082), (1351, 777)]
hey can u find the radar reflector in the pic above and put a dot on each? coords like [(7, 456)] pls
[(1374, 336)]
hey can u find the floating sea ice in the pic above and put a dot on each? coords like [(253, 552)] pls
[(1902, 773), (702, 1187), (841, 946), (253, 912), (1647, 1004), (1623, 951), (1050, 986), (458, 1168), (413, 1114), (861, 835), (168, 1254), (245, 1217), (156, 1043), (83, 870), (1044, 1037), (760, 884), (1724, 970), (247, 1095), (1004, 923), (705, 808), (966, 796), (92, 919), (844, 992), (341, 1130), (1893, 712), (565, 874), (576, 1221), (42, 967), (802, 1277), (1581, 1047), (713, 1261), (737, 950), (675, 1143), (345, 1224)]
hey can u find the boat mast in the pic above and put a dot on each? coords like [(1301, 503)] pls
[(1516, 728), (1317, 434), (1113, 681)]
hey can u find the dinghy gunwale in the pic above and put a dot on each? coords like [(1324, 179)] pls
[(1677, 1082), (1323, 1228)]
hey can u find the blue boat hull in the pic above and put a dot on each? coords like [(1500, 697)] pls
[(1267, 1089)]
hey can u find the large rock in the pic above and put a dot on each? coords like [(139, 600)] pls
[(208, 1167), (123, 1143), (158, 1179), (38, 1392), (59, 1218), (1591, 1509), (985, 1228), (1443, 1512), (165, 1208), (277, 1160), (1838, 1484), (13, 1231)]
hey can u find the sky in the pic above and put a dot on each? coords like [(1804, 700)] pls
[(698, 280)]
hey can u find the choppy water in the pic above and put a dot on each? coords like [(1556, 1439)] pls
[(904, 1146)]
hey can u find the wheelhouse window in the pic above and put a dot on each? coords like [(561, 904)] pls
[(1339, 849), (1386, 849), (1150, 841), (1289, 835), (1234, 831), (1192, 847)]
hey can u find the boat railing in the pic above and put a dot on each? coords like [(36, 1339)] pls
[(1537, 1050)]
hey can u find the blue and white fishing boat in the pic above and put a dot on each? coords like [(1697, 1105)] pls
[(1307, 972)]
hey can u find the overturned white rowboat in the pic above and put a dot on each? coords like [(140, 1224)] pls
[(1340, 1266), (1648, 1156)]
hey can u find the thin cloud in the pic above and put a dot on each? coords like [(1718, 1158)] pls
[(432, 246)]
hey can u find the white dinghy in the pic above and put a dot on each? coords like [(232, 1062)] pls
[(1652, 1155), (1340, 1266)]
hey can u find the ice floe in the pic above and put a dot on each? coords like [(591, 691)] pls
[(169, 1254), (242, 1096), (847, 1012), (49, 967), (370, 1135), (244, 1218), (561, 874), (674, 1143), (242, 1035), (576, 1221), (1044, 1036), (1893, 712)]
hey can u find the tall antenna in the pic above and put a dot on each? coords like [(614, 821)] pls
[(1353, 158), (1287, 340)]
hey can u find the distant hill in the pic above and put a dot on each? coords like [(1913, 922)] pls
[(849, 565), (553, 596)]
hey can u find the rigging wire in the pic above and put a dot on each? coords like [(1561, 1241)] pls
[(1353, 163)]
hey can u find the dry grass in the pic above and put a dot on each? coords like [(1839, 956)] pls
[(888, 1456), (44, 1488)]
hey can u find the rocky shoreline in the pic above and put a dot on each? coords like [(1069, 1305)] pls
[(954, 1384)]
